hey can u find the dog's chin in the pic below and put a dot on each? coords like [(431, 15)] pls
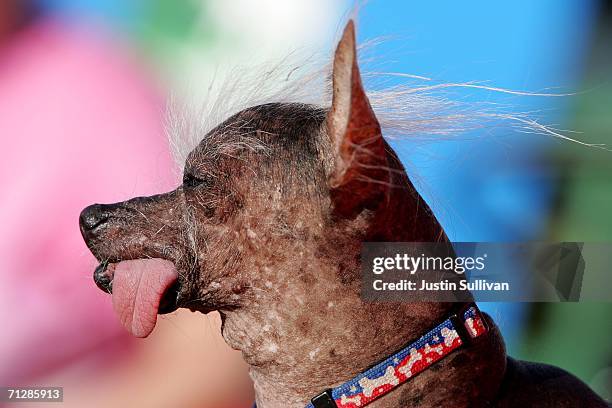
[(141, 289)]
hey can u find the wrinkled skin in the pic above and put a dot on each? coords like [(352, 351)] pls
[(267, 229)]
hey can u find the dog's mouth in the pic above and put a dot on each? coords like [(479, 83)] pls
[(141, 289)]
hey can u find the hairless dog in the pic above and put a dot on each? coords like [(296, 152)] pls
[(271, 238)]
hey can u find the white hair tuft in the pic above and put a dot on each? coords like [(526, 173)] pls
[(417, 107)]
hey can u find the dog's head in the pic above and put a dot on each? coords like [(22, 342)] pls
[(273, 185)]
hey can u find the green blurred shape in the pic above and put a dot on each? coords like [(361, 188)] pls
[(578, 337), (167, 24)]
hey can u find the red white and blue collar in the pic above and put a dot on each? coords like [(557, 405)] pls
[(456, 331)]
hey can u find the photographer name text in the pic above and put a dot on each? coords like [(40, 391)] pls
[(444, 285)]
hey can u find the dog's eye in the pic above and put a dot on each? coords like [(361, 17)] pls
[(190, 180)]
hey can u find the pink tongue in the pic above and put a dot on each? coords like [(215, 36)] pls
[(138, 286)]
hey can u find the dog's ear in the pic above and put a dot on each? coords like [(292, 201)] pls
[(360, 175)]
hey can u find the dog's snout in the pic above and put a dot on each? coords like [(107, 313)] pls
[(94, 216)]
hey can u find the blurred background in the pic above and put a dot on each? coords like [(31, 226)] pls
[(83, 86)]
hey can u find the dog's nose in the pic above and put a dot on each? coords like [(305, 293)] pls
[(94, 216)]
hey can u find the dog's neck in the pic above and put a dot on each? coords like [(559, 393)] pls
[(306, 329), (300, 347)]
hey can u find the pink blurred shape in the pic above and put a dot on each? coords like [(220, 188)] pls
[(79, 124)]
